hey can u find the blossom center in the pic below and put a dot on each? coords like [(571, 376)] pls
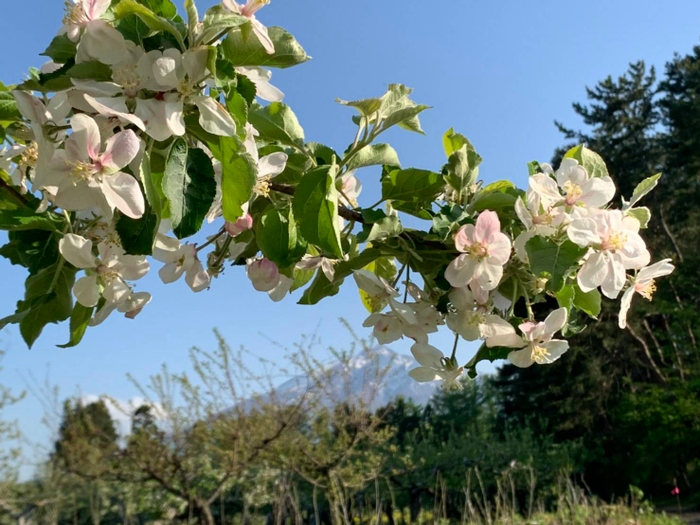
[(253, 6), (128, 78), (540, 355), (646, 290), (477, 250), (615, 242), (30, 156), (262, 187), (573, 192), (84, 171), (75, 14)]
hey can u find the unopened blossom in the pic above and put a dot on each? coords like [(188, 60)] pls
[(485, 249), (261, 78), (644, 285), (434, 365), (244, 223), (266, 277), (616, 246), (106, 273), (248, 10), (180, 259), (535, 345), (350, 189), (85, 175)]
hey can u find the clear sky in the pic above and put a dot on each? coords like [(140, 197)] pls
[(498, 72)]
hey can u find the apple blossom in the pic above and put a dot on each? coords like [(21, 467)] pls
[(248, 10), (616, 246), (266, 277), (485, 250), (180, 259), (244, 223), (106, 274), (82, 176), (434, 365), (644, 285), (467, 313), (261, 78), (535, 345), (350, 189)]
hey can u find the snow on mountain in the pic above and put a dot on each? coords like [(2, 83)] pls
[(373, 377)]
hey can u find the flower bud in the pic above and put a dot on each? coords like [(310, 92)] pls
[(242, 224), (264, 274)]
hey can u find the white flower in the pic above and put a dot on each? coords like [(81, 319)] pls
[(82, 176), (468, 314), (644, 285), (266, 277), (617, 246), (261, 78), (79, 14), (248, 10), (350, 189), (311, 262), (537, 213), (180, 259), (535, 345), (131, 306), (485, 251), (434, 365), (580, 189), (106, 274)]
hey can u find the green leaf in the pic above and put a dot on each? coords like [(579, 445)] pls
[(486, 354), (590, 160), (218, 20), (374, 155), (449, 218), (79, 320), (27, 219), (398, 109), (47, 300), (189, 186), (498, 196), (452, 142), (276, 233), (61, 49), (642, 214), (642, 189), (8, 108), (138, 236), (588, 302), (301, 278), (61, 79), (412, 185), (32, 249), (277, 122), (249, 52), (316, 209), (239, 173), (151, 173), (238, 108), (153, 21), (367, 107), (381, 229), (552, 260)]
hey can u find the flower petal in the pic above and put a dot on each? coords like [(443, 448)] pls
[(86, 135), (120, 150), (423, 375), (460, 272), (487, 226), (521, 358), (214, 117), (86, 291), (123, 193), (272, 164), (77, 250), (625, 304), (593, 272), (427, 355), (555, 321)]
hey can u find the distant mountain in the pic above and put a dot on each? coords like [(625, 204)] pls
[(374, 377)]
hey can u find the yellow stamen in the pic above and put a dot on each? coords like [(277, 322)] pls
[(262, 187), (30, 156), (540, 355), (477, 251), (647, 290), (573, 192), (75, 14), (615, 242), (83, 171), (127, 76)]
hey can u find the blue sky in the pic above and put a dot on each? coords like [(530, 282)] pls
[(498, 72)]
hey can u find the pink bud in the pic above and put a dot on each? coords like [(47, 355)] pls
[(243, 224), (264, 274)]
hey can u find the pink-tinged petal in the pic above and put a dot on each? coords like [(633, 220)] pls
[(593, 272), (123, 193), (116, 291), (555, 321), (615, 278), (521, 358), (280, 291), (214, 117), (460, 272), (171, 272), (597, 192), (487, 226), (272, 164), (86, 136), (555, 348), (659, 269), (464, 237), (86, 291), (488, 273), (94, 9), (260, 31), (264, 275), (625, 304), (427, 355), (499, 248), (583, 232), (120, 150), (77, 250), (423, 375), (197, 277)]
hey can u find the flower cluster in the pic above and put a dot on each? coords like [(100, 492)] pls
[(152, 136)]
